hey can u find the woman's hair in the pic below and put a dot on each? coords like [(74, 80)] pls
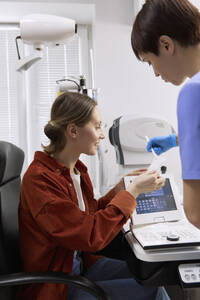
[(67, 108), (178, 19)]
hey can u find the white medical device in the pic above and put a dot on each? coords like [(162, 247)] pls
[(41, 30), (128, 136)]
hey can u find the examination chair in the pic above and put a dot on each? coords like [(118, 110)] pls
[(11, 273)]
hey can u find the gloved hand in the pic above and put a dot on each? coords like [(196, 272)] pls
[(161, 144)]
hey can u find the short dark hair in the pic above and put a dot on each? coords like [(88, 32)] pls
[(178, 19), (67, 108)]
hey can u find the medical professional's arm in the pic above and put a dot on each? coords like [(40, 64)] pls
[(188, 113), (191, 190), (162, 144)]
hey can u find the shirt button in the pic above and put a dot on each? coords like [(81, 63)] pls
[(57, 170), (70, 185)]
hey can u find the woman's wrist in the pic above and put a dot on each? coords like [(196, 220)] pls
[(119, 186), (133, 191)]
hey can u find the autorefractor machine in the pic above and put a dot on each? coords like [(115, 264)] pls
[(166, 248)]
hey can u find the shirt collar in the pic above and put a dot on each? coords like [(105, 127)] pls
[(54, 165)]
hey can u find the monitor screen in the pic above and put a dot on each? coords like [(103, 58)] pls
[(157, 201)]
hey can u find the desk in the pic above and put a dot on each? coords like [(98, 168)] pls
[(160, 267), (163, 255), (152, 268)]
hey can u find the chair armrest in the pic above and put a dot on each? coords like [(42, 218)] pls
[(54, 277)]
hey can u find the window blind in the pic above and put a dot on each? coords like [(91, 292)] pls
[(25, 104), (39, 86), (57, 63)]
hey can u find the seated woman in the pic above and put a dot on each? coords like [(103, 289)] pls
[(59, 217)]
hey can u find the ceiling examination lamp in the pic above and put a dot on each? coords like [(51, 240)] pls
[(40, 30)]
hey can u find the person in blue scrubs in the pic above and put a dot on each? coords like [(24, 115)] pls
[(166, 35)]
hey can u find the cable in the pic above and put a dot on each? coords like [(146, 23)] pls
[(16, 42), (125, 233)]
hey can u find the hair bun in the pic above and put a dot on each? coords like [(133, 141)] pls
[(52, 130)]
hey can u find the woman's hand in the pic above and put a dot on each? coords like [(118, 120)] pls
[(146, 182), (120, 186)]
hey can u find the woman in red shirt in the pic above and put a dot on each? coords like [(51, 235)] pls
[(59, 216)]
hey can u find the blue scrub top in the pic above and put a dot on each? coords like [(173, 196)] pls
[(188, 113)]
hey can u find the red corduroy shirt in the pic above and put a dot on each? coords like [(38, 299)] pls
[(52, 226)]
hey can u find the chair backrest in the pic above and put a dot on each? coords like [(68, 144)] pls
[(11, 162)]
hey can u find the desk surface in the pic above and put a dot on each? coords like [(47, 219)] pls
[(159, 255), (175, 254)]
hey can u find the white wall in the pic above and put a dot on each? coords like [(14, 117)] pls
[(126, 85)]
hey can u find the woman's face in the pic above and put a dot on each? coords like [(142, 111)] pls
[(91, 134)]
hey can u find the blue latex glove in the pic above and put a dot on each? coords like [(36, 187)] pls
[(161, 144)]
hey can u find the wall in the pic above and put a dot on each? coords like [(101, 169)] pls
[(126, 85)]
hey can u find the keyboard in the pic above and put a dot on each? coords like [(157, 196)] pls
[(167, 235)]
